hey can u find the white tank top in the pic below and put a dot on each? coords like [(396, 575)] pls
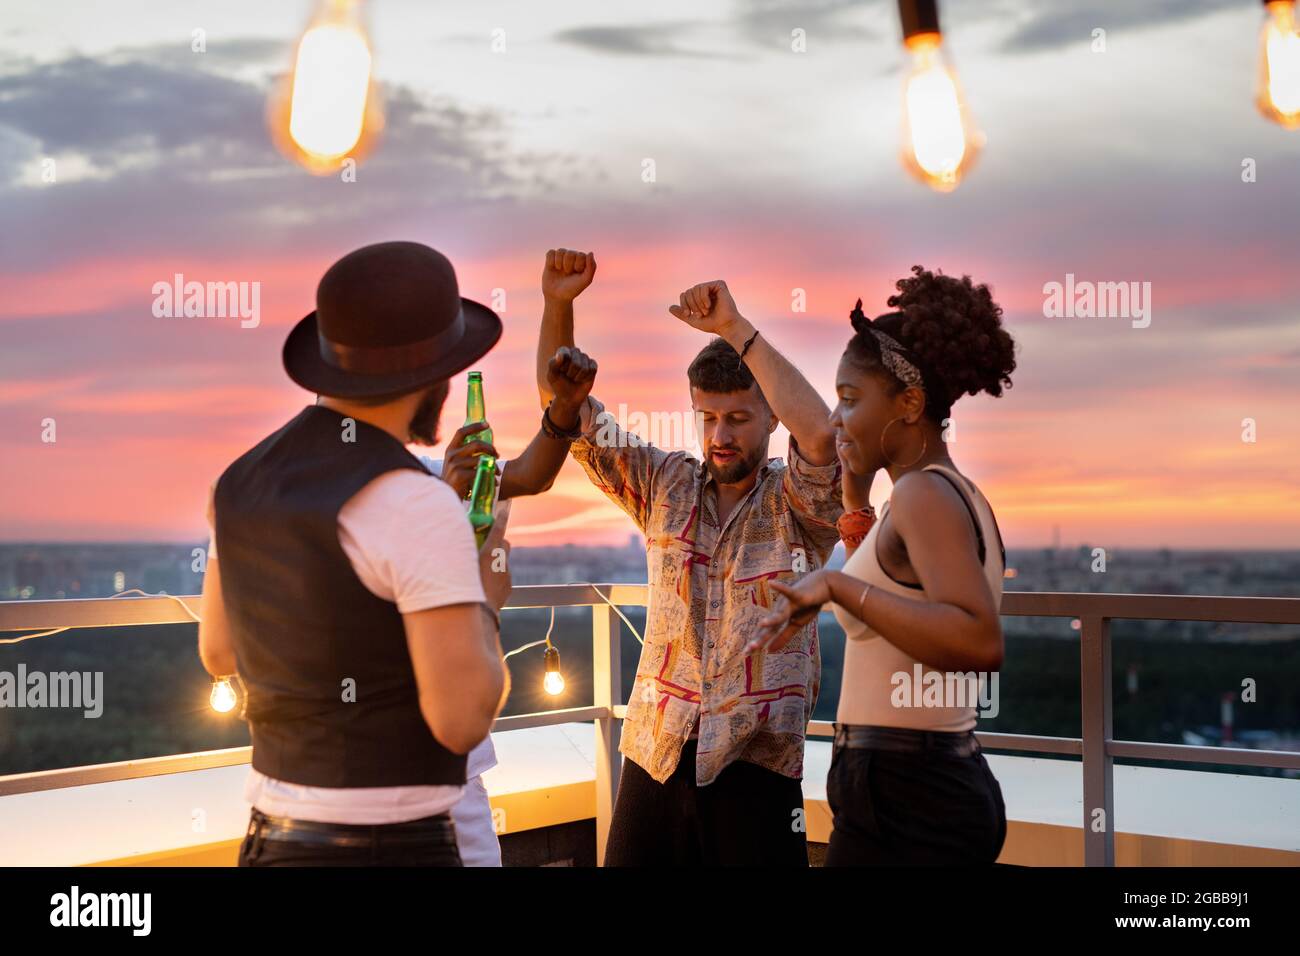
[(870, 693)]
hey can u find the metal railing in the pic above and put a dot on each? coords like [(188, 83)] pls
[(1096, 748)]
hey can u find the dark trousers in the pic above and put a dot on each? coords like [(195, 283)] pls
[(893, 808), (277, 841), (748, 815)]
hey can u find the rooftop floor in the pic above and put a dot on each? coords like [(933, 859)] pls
[(546, 776)]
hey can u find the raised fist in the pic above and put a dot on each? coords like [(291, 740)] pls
[(567, 273), (708, 307), (570, 373)]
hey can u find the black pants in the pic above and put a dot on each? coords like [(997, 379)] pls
[(430, 841), (894, 808), (748, 815)]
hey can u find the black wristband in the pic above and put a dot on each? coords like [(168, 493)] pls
[(553, 430), (746, 348)]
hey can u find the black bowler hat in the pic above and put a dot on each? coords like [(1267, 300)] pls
[(389, 320)]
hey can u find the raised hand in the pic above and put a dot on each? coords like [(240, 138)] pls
[(567, 273), (708, 307), (460, 460), (570, 374), (793, 609)]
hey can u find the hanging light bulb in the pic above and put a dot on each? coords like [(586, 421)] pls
[(1278, 97), (553, 682), (939, 141), (223, 696), (328, 108)]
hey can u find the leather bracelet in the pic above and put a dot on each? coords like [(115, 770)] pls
[(553, 430), (745, 348)]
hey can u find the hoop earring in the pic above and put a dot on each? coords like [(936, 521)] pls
[(884, 454)]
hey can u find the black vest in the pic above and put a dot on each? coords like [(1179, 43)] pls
[(303, 623)]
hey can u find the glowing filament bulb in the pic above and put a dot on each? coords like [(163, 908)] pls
[(553, 682), (938, 145), (1279, 69), (223, 696), (331, 80)]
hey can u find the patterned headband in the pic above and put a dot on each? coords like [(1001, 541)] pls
[(892, 354), (894, 357)]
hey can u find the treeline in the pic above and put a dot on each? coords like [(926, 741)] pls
[(156, 692)]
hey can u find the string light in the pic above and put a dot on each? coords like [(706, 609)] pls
[(553, 682), (223, 697), (939, 141), (553, 679), (136, 591), (1278, 96), (328, 109)]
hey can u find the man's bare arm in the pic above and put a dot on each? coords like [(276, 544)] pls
[(462, 678), (216, 644), (570, 374), (564, 277), (709, 307), (216, 648)]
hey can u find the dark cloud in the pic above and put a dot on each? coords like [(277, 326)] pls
[(1034, 25), (183, 160), (1056, 23), (756, 23), (108, 110), (769, 22), (659, 39), (221, 53)]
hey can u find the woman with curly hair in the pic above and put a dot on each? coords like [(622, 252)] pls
[(918, 596)]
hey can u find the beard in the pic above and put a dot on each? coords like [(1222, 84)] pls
[(738, 470), (423, 429)]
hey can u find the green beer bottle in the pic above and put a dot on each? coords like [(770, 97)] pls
[(482, 497), (476, 408), (482, 494)]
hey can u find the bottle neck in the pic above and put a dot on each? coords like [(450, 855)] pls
[(475, 408)]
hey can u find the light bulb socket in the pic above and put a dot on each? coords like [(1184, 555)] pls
[(918, 17), (552, 659)]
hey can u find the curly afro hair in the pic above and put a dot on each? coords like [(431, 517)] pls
[(953, 331)]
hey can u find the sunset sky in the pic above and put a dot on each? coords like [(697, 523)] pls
[(775, 170)]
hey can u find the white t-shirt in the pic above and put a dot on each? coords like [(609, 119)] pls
[(483, 757), (409, 543)]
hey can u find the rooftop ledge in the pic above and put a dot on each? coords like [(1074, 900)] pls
[(546, 776)]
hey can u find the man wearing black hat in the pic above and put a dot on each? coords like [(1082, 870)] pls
[(349, 595)]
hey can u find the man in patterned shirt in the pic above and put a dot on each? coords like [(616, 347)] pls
[(714, 739)]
